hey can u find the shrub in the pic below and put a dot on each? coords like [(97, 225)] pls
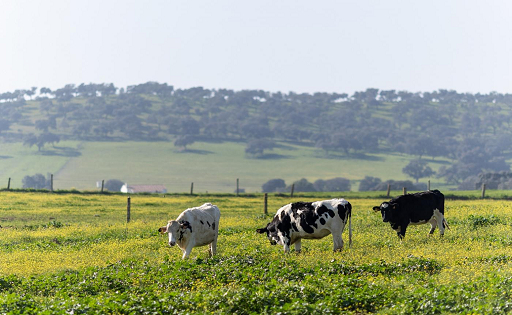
[(273, 185), (114, 184), (334, 184)]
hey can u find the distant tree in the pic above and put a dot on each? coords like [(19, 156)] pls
[(82, 128), (50, 138), (4, 124), (188, 126), (418, 169), (273, 185), (31, 140), (43, 125), (45, 90), (256, 147), (395, 185), (369, 183), (45, 106), (302, 185), (40, 141), (334, 184), (114, 184), (183, 141), (103, 129), (253, 130), (37, 181)]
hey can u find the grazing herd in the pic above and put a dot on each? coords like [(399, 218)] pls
[(293, 222)]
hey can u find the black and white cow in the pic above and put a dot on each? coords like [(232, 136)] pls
[(413, 209), (194, 227), (310, 220)]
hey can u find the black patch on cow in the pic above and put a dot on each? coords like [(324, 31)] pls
[(213, 226), (208, 224), (181, 235), (308, 219), (285, 225), (322, 221), (304, 206), (201, 221), (344, 211), (323, 209), (294, 227)]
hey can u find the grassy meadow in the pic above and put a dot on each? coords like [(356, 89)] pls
[(213, 167), (73, 253)]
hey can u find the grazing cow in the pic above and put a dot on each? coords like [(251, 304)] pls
[(310, 220), (414, 209), (194, 227)]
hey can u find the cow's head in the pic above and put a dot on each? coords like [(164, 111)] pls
[(176, 230), (272, 234), (388, 211)]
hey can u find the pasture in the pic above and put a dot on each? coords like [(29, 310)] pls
[(213, 167), (72, 253)]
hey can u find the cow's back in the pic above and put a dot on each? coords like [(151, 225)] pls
[(205, 212), (420, 206)]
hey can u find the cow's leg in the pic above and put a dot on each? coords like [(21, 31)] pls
[(337, 240), (440, 221), (433, 224), (186, 252), (297, 245), (213, 247), (401, 233)]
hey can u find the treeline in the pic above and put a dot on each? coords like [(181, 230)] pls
[(472, 130)]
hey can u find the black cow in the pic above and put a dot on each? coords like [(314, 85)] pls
[(414, 209), (310, 220)]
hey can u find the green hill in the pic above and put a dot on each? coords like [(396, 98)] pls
[(152, 133)]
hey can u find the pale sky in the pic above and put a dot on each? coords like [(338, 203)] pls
[(273, 45)]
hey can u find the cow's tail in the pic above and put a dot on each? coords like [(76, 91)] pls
[(445, 224), (350, 226)]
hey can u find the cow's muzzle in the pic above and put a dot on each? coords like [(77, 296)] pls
[(172, 243), (273, 242)]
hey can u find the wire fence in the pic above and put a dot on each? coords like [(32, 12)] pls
[(235, 185)]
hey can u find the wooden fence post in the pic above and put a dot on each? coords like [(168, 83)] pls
[(192, 188), (102, 185), (266, 203), (51, 183), (483, 191), (128, 211), (389, 190), (293, 187), (428, 185), (9, 184), (237, 186), (405, 190)]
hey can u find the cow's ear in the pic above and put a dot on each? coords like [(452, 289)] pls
[(263, 230), (376, 208), (163, 229)]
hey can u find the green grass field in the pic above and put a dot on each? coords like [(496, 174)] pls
[(75, 253), (213, 167)]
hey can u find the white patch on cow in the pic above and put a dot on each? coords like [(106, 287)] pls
[(384, 205), (281, 240)]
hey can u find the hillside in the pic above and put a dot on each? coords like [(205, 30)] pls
[(152, 133)]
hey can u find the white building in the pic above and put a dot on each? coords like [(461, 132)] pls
[(133, 189)]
